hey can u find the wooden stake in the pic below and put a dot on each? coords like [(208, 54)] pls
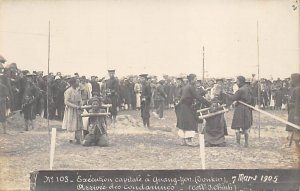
[(272, 116), (202, 147), (52, 148)]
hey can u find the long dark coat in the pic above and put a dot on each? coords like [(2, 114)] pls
[(146, 100), (294, 107), (4, 93), (29, 101), (187, 116), (242, 117), (112, 85)]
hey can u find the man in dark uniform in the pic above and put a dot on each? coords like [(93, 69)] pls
[(294, 107), (59, 88), (145, 100), (161, 99), (4, 94), (242, 117), (112, 93), (28, 102)]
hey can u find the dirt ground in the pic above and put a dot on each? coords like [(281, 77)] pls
[(134, 147)]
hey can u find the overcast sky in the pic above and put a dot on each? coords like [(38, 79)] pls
[(152, 36)]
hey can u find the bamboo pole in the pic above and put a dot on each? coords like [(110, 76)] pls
[(202, 148), (272, 116), (212, 114), (94, 114), (48, 68), (258, 78)]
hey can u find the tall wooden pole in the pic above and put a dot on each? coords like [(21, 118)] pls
[(48, 68), (258, 78), (203, 66)]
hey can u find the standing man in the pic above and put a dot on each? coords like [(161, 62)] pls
[(242, 117), (112, 93), (188, 119), (138, 91), (161, 97), (29, 101), (95, 87), (4, 94), (178, 93), (294, 108), (72, 122), (145, 100)]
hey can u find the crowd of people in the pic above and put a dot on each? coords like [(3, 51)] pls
[(51, 96)]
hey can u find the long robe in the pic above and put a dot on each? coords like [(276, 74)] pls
[(215, 127), (187, 118), (72, 121), (242, 116)]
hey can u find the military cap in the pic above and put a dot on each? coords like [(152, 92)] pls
[(242, 79), (179, 78), (219, 80), (191, 76), (143, 75), (68, 77), (111, 71)]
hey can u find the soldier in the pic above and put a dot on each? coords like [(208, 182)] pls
[(242, 117), (29, 101), (112, 93), (145, 100), (188, 119), (161, 97), (59, 87), (4, 94), (294, 108)]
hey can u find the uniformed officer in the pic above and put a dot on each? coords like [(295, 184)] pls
[(145, 100), (4, 94), (29, 101), (112, 93)]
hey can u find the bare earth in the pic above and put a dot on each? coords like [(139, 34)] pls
[(134, 147)]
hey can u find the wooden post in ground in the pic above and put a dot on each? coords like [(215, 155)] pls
[(202, 147), (52, 147)]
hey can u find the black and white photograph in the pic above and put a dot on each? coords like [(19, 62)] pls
[(149, 86)]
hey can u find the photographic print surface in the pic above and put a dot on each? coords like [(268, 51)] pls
[(148, 85)]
